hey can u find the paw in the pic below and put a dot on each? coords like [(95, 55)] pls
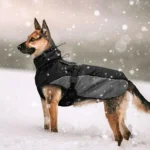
[(127, 135), (119, 139), (46, 126), (54, 130)]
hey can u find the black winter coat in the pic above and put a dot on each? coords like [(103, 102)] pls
[(78, 82)]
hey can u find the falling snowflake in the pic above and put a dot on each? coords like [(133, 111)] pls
[(119, 69), (28, 24), (124, 12), (110, 51), (106, 19), (58, 54), (27, 56), (124, 27), (144, 29), (37, 12), (74, 54), (131, 72), (96, 12), (105, 59), (101, 95), (131, 3), (73, 26)]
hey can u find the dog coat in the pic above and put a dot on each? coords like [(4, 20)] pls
[(78, 82)]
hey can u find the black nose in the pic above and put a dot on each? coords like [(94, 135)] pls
[(19, 47)]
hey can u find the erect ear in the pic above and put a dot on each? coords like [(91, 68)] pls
[(37, 25), (45, 30)]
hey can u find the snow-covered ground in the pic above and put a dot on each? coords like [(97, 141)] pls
[(21, 121)]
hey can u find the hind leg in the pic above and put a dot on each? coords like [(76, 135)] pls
[(124, 130), (115, 112), (122, 112), (112, 117)]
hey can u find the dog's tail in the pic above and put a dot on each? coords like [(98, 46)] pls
[(138, 99)]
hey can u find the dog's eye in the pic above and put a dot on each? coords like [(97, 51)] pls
[(32, 40)]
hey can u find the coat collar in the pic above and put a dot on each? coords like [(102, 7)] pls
[(47, 58)]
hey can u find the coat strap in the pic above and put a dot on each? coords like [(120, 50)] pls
[(73, 79)]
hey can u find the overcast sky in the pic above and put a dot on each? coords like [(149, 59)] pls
[(77, 19)]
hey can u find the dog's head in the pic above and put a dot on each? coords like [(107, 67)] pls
[(38, 41)]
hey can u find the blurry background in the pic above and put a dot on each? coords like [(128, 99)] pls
[(108, 33)]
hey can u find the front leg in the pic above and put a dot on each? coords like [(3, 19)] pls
[(53, 111), (46, 114), (53, 96)]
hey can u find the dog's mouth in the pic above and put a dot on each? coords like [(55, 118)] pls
[(26, 50)]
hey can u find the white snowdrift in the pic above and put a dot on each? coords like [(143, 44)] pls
[(83, 128)]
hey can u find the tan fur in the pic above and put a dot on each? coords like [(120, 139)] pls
[(114, 124), (46, 114), (53, 95), (122, 114), (40, 45), (137, 102), (115, 112)]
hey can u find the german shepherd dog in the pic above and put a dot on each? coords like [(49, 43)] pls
[(38, 42)]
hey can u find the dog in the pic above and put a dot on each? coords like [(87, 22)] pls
[(51, 95)]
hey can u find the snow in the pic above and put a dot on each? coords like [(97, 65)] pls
[(9, 54), (106, 19), (105, 59), (96, 12), (80, 128), (124, 12), (79, 43), (144, 29), (28, 24), (124, 27), (73, 26), (131, 72), (131, 2)]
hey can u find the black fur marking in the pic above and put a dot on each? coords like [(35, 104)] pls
[(25, 50)]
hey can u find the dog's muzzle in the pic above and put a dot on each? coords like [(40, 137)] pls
[(26, 50)]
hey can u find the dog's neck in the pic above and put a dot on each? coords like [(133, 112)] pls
[(50, 45), (47, 58)]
